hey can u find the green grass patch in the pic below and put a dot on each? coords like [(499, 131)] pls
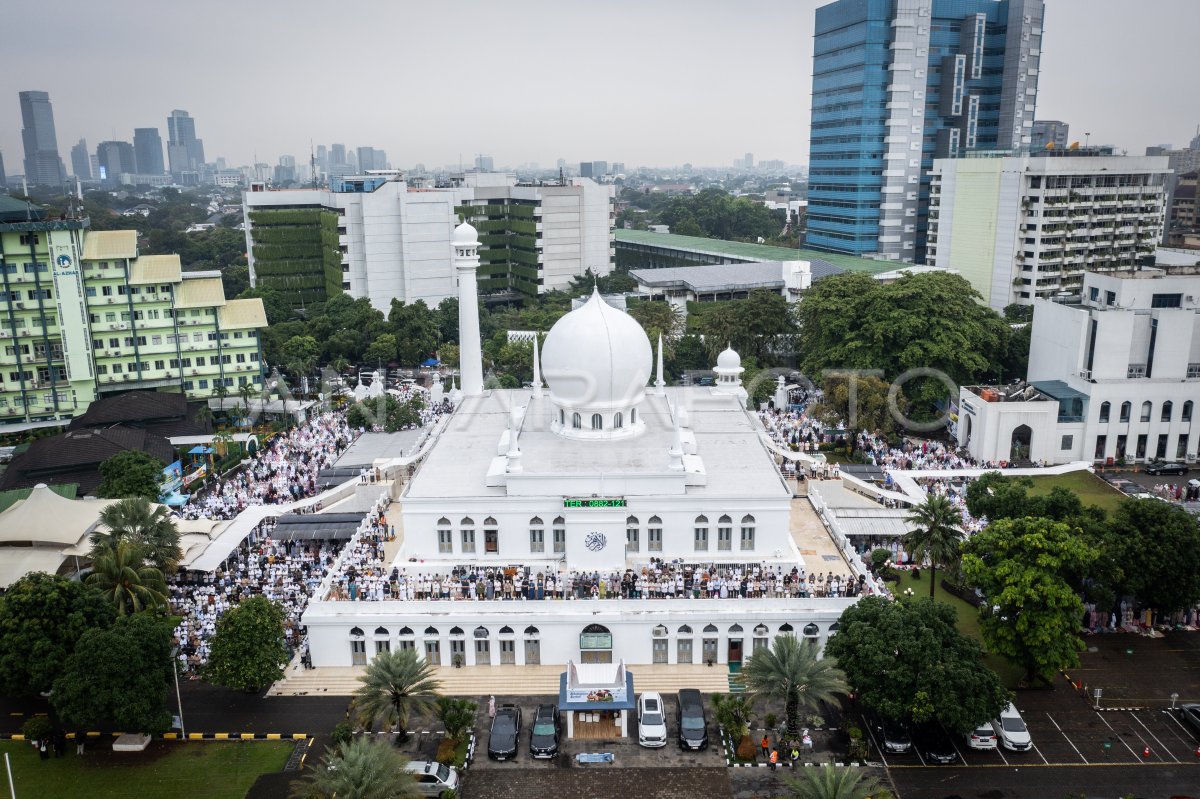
[(197, 770), (968, 623), (1090, 489)]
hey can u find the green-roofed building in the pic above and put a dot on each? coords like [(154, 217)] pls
[(643, 249)]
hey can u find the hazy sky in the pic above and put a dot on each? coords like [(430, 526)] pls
[(650, 82)]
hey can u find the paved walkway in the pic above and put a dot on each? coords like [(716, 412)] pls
[(511, 680), (569, 781), (812, 539)]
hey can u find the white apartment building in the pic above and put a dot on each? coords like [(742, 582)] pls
[(395, 239), (1021, 227), (1114, 376)]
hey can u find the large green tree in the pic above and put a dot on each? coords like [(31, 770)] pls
[(936, 535), (793, 671), (300, 354), (659, 319), (416, 329), (117, 677), (851, 321), (42, 617), (907, 660), (1157, 546), (248, 651), (834, 782), (860, 401), (361, 768), (1031, 613), (131, 473), (397, 685), (148, 525), (995, 496), (124, 578)]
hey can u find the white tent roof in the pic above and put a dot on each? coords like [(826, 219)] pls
[(16, 562), (46, 518)]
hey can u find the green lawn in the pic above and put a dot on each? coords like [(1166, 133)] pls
[(1090, 489), (968, 622), (198, 770)]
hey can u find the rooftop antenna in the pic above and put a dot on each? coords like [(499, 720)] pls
[(312, 163), (562, 181)]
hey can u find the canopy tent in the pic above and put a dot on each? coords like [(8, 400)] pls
[(200, 449), (430, 362), (309, 526), (16, 562), (44, 517)]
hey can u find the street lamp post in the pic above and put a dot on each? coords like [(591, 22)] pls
[(178, 699)]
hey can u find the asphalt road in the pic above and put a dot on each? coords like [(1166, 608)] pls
[(1048, 782)]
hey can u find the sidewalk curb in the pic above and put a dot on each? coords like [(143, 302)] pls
[(191, 736)]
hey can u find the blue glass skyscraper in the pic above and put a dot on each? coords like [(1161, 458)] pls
[(897, 83)]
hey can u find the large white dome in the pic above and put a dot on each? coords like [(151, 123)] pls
[(596, 358)]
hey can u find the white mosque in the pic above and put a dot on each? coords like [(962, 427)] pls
[(598, 470)]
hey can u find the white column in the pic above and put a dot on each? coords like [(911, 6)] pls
[(470, 351)]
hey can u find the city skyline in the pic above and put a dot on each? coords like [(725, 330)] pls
[(620, 81)]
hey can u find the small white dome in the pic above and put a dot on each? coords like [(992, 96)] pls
[(729, 359), (596, 358), (466, 234)]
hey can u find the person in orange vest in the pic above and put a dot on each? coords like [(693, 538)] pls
[(774, 758), (766, 745)]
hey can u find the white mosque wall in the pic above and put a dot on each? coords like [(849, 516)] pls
[(528, 632)]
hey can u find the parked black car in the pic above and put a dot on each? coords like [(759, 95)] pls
[(1191, 714), (893, 735), (543, 737), (693, 726), (1165, 467), (934, 744), (506, 728)]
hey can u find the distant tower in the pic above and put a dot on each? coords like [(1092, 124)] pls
[(470, 351)]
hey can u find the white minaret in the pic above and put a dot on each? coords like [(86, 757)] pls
[(470, 351), (537, 368), (660, 385)]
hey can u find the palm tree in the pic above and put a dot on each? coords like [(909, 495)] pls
[(835, 782), (937, 535), (204, 416), (119, 570), (146, 524), (358, 769), (795, 672), (457, 716), (396, 685), (220, 391)]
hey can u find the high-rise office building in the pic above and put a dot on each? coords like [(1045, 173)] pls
[(116, 157), (43, 166), (337, 154), (585, 169), (1049, 131), (371, 158), (484, 163), (81, 162), (322, 157), (184, 151), (148, 151), (3, 177), (897, 83), (748, 161)]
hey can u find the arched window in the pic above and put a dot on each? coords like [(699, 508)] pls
[(725, 533), (1167, 409), (597, 421), (618, 421), (356, 632), (381, 631), (737, 628), (457, 631), (467, 532), (480, 632), (710, 628), (1126, 409), (1187, 411), (406, 631), (633, 416), (531, 630), (560, 534), (786, 629), (536, 521), (537, 535), (747, 539), (467, 522), (811, 631), (1105, 410), (576, 421), (506, 630), (431, 631), (443, 522), (761, 629), (489, 522), (1147, 408), (700, 534), (833, 628), (595, 628), (633, 538), (685, 630)]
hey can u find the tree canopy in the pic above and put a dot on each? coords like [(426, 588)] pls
[(361, 768), (396, 686), (42, 618), (936, 535), (907, 660), (1031, 612), (248, 651), (124, 578), (859, 400), (131, 473), (117, 677), (793, 671), (1157, 547), (148, 525), (385, 411)]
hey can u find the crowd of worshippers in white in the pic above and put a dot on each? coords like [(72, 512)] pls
[(283, 470), (366, 578)]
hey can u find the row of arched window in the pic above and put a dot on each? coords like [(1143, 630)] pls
[(633, 534), (810, 630), (1165, 413), (597, 420), (478, 632)]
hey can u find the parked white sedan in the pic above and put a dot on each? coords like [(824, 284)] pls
[(1011, 730)]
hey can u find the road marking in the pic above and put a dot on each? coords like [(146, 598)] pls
[(961, 756), (1162, 746), (1187, 740), (1123, 763), (1043, 757), (1060, 729), (1119, 738), (878, 748), (1000, 751)]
